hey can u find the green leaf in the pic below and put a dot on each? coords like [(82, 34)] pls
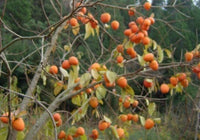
[(85, 79), (114, 130), (71, 130), (111, 76), (168, 52), (142, 120), (57, 89), (160, 54), (76, 29), (179, 88), (84, 137), (76, 100), (20, 135), (3, 133), (88, 30), (100, 92), (141, 60), (95, 74), (151, 108), (64, 72)]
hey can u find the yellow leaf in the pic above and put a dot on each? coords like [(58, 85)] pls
[(160, 54), (142, 120), (128, 44), (111, 76), (88, 30), (67, 48), (97, 30), (168, 52), (75, 29), (64, 72), (66, 26), (154, 44), (157, 120), (85, 79), (57, 89), (95, 74), (141, 60)]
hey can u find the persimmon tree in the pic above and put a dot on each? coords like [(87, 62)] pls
[(88, 75)]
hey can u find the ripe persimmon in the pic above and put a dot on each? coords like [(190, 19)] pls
[(140, 20), (85, 20), (130, 24), (120, 132), (18, 124), (102, 125), (59, 123), (147, 22), (93, 102), (147, 83), (134, 28), (105, 17), (88, 90), (122, 82), (120, 48), (188, 56), (126, 103), (108, 84), (95, 66), (120, 99), (61, 134), (131, 12), (127, 32), (73, 60), (173, 80), (73, 22), (198, 75), (80, 131), (154, 65), (129, 116), (56, 116), (181, 76), (123, 118), (79, 15), (94, 23), (53, 69), (164, 88), (135, 103), (145, 40), (4, 118), (185, 83), (114, 24), (148, 57), (147, 6), (66, 64), (69, 137), (152, 20), (149, 123), (94, 134), (120, 59), (135, 118)]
